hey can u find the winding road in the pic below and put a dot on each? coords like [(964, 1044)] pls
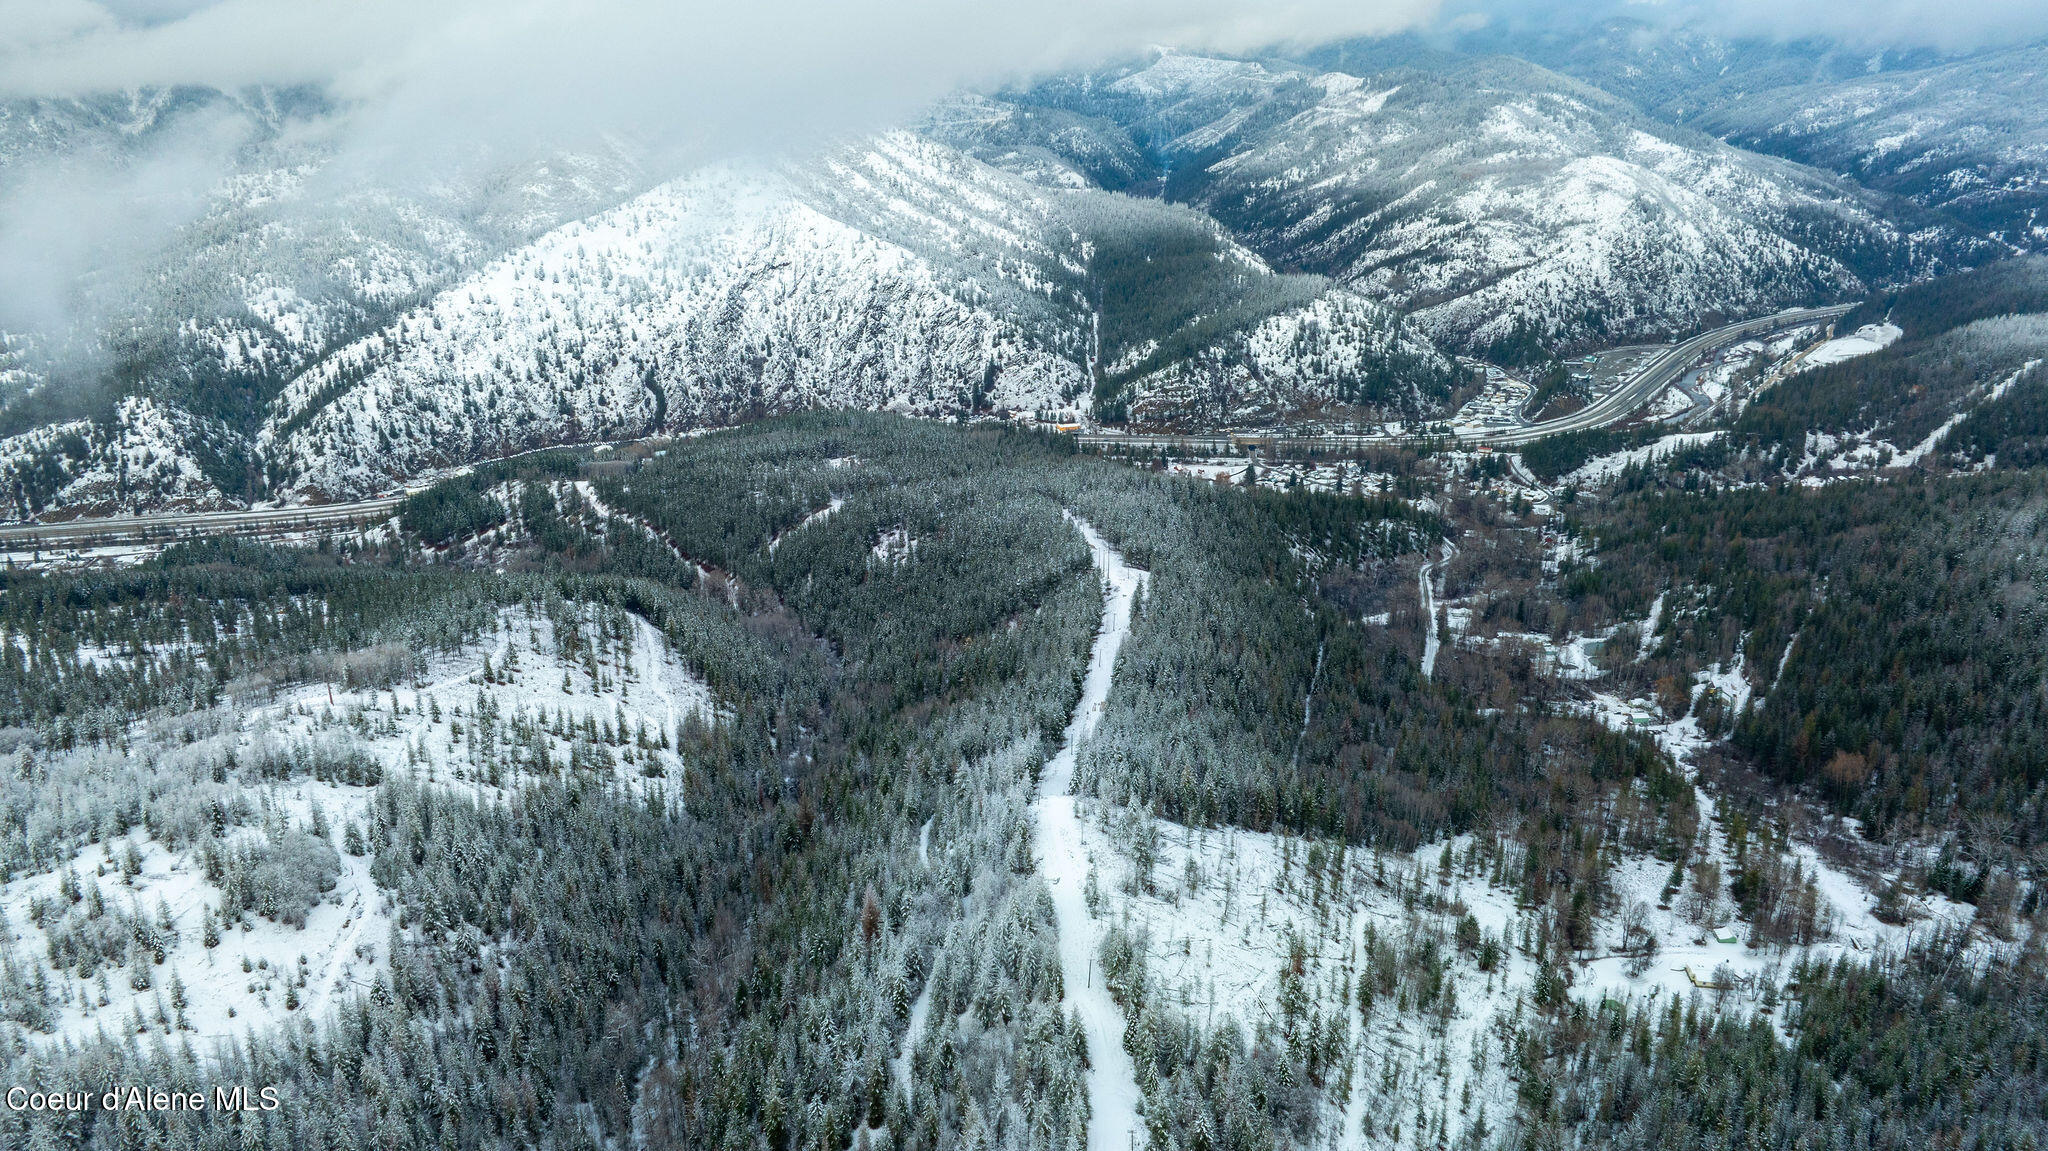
[(1617, 405), (1431, 574)]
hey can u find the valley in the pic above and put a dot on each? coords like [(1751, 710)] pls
[(120, 537), (1481, 586), (1112, 837), (1017, 252)]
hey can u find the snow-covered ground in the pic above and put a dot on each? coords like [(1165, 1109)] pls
[(1114, 1124), (1602, 468), (141, 458), (1221, 908), (1862, 342), (1342, 476), (592, 690), (52, 559), (1830, 456), (1222, 913), (1848, 901), (1670, 403), (894, 546), (921, 1007), (1866, 451), (1429, 587), (242, 980), (1648, 639), (586, 698)]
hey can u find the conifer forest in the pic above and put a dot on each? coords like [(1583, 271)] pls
[(1371, 576)]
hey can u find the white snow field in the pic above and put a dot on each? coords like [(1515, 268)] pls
[(1225, 905), (1220, 920), (1861, 342), (1600, 469), (243, 980), (532, 684), (1113, 1123)]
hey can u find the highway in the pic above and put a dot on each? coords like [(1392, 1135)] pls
[(70, 535), (84, 533), (114, 531), (1661, 373), (1611, 408)]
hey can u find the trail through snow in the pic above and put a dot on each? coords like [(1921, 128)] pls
[(1431, 641), (1113, 1123), (1647, 642), (816, 517), (919, 1010), (922, 1006)]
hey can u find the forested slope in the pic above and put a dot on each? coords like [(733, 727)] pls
[(692, 795), (898, 662)]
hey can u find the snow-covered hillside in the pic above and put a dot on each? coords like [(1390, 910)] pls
[(1189, 241), (1493, 198), (901, 274), (248, 246), (271, 247), (699, 303), (1339, 348), (1968, 137), (898, 273), (145, 457), (269, 912), (1955, 128)]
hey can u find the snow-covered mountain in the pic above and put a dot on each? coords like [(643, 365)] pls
[(313, 340), (146, 455), (229, 244), (1492, 198), (898, 274), (697, 304), (1968, 137), (1958, 132), (1188, 240), (269, 247)]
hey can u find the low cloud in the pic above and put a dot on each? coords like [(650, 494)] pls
[(75, 227), (428, 91), (428, 75), (1952, 25)]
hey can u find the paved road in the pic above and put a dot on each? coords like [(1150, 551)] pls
[(176, 525), (74, 534), (1611, 408), (115, 530), (1660, 373)]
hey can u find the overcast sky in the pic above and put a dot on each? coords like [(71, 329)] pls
[(732, 72), (1945, 24)]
